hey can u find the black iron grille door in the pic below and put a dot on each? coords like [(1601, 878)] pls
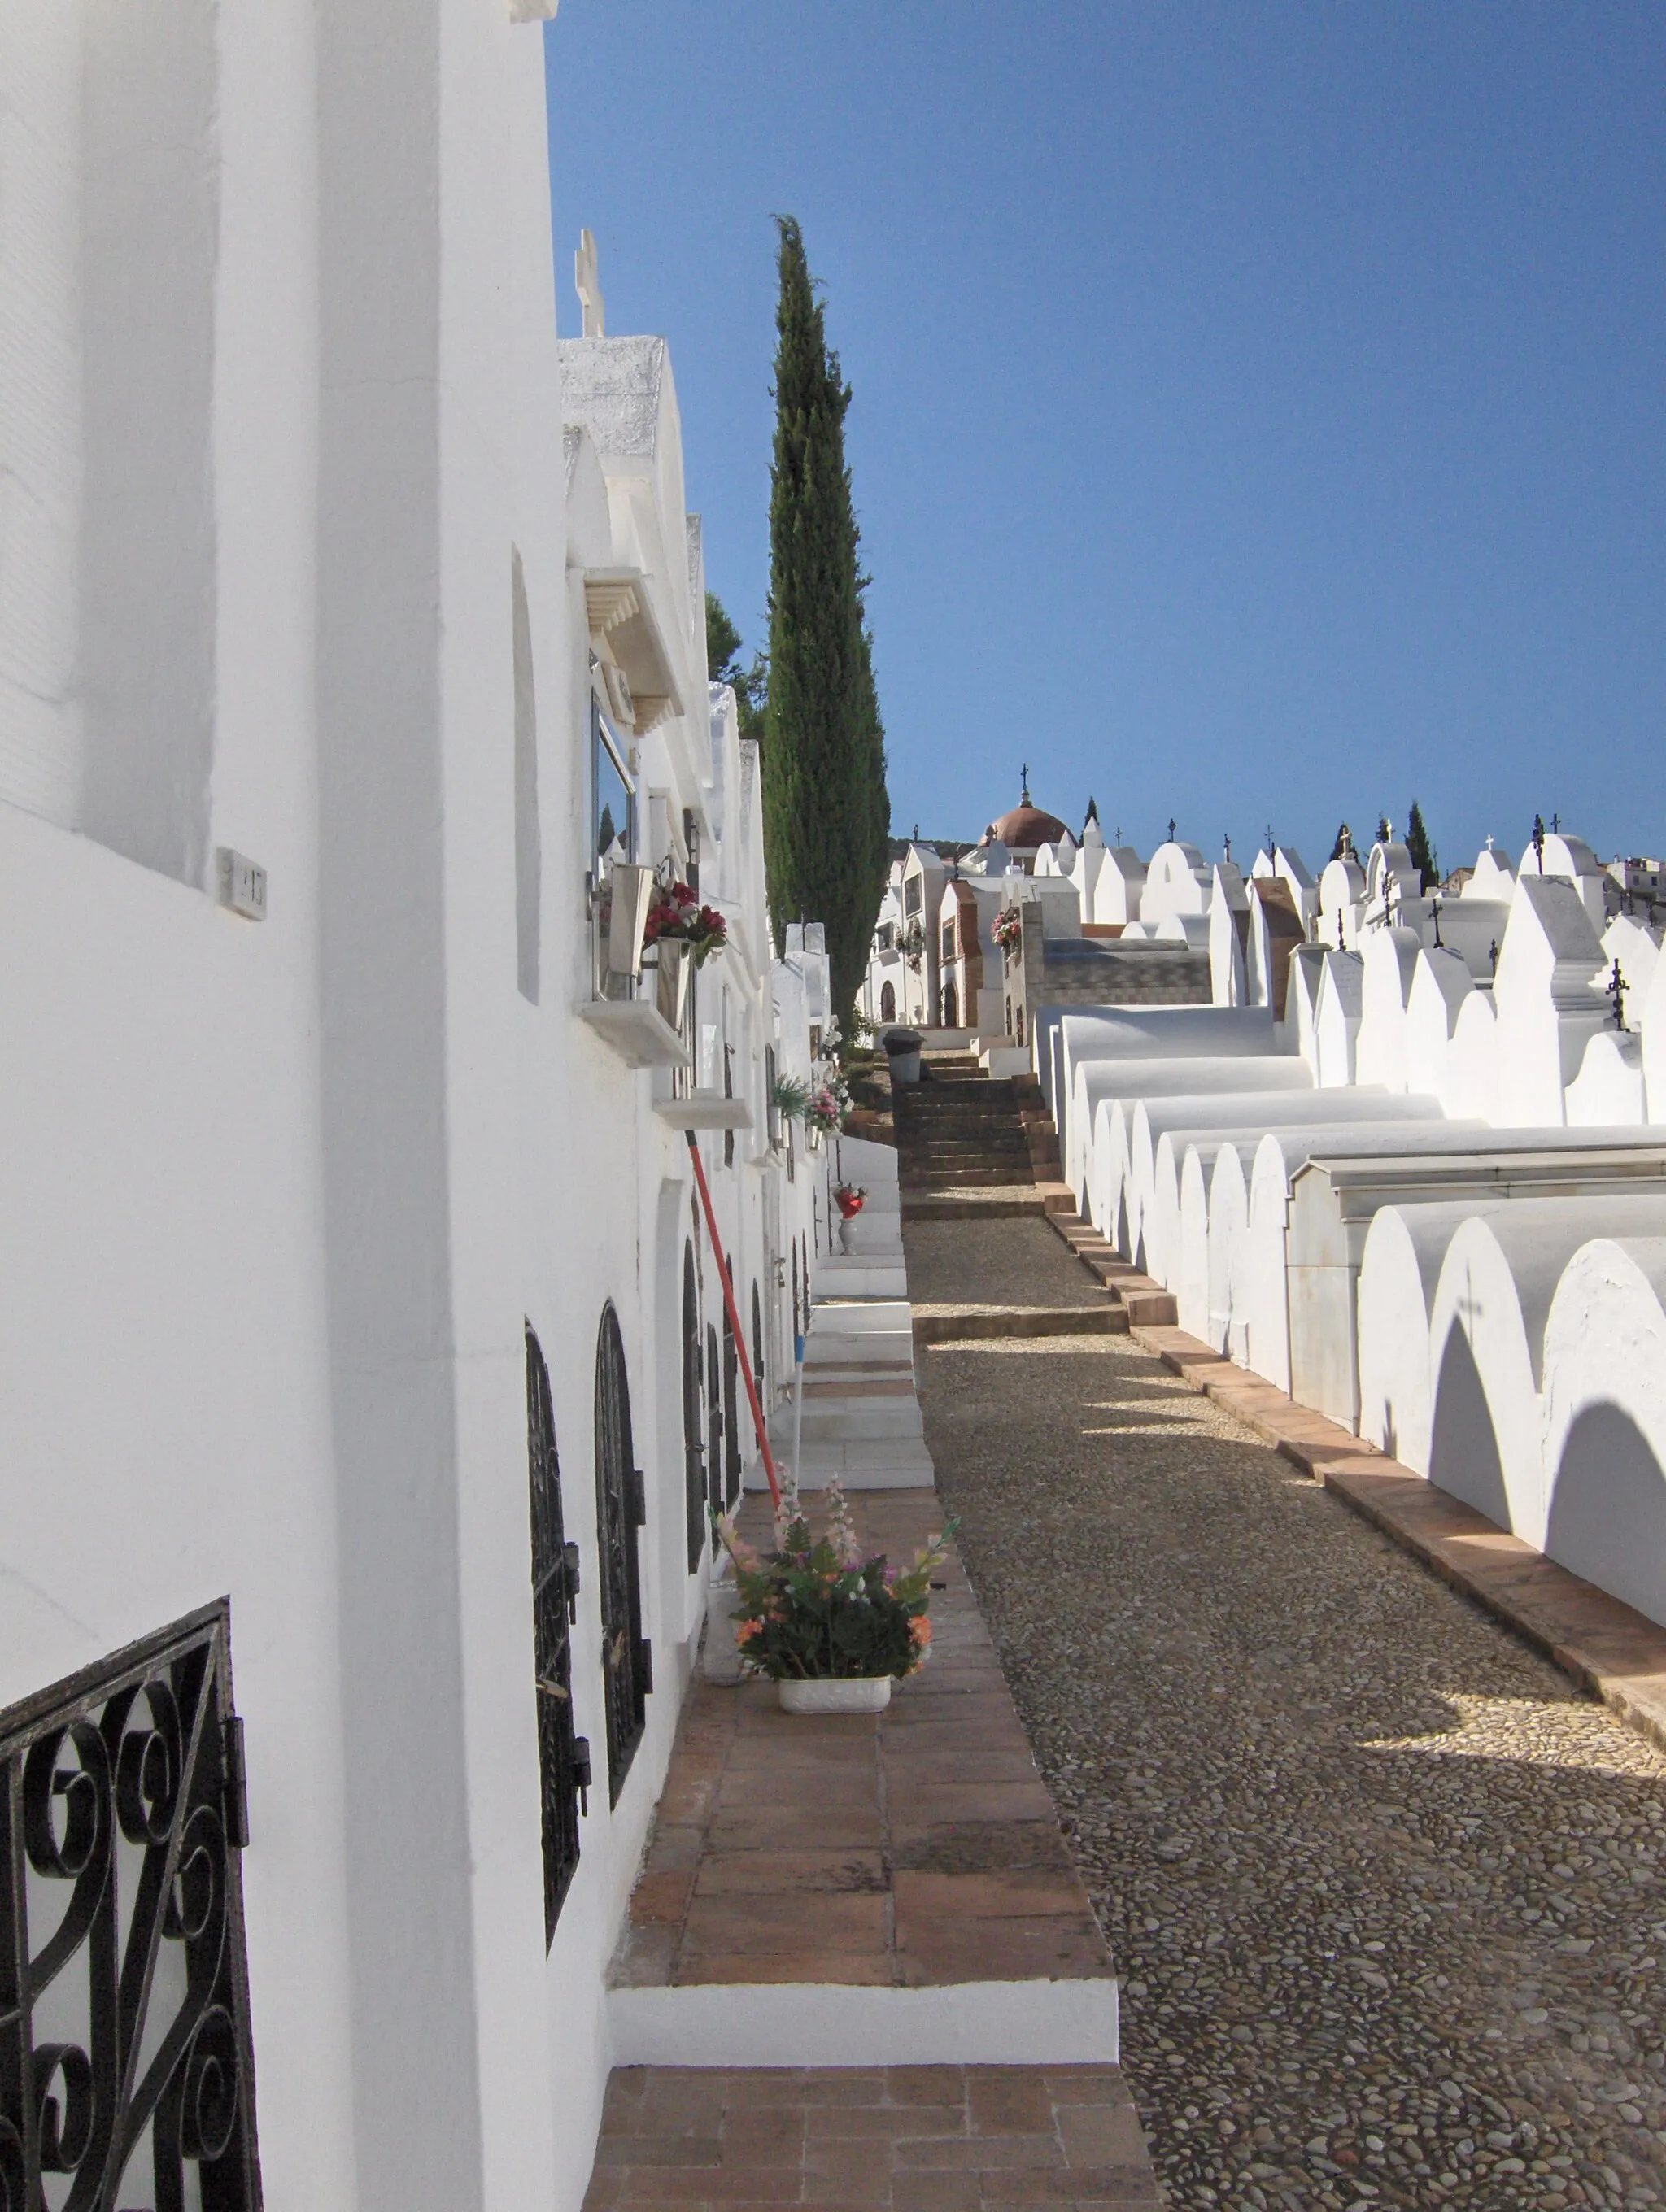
[(694, 1457), (733, 1465), (713, 1427), (563, 1758), (620, 1511), (124, 2053)]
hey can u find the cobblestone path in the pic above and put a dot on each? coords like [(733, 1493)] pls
[(1386, 1895)]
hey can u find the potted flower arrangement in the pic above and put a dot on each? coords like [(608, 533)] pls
[(850, 1198), (791, 1098), (1007, 930), (831, 1625), (684, 935), (828, 1107)]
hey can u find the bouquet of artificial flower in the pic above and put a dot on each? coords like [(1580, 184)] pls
[(849, 1198), (1007, 929), (823, 1609), (676, 913), (829, 1106)]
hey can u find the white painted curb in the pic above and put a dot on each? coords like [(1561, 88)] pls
[(1071, 2023)]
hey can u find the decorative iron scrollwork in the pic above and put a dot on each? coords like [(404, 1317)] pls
[(563, 1758), (124, 2051), (694, 1450), (621, 1510)]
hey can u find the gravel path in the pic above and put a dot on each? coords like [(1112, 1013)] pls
[(1384, 1892), (1013, 1262)]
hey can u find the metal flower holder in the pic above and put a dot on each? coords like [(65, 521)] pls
[(630, 889), (676, 958)]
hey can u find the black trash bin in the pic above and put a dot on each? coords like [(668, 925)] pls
[(902, 1050)]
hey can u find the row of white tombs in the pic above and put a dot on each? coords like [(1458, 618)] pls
[(1470, 1274)]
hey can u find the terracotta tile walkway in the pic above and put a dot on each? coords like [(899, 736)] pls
[(910, 1849), (909, 2139)]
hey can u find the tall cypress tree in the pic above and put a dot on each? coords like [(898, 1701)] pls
[(826, 811), (1422, 852)]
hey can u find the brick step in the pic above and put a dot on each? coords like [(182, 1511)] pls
[(961, 1116), (960, 1128), (963, 1174), (939, 1085), (950, 1155), (919, 1164), (970, 1208), (959, 1321)]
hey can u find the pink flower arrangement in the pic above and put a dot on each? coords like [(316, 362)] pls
[(677, 913), (826, 1608)]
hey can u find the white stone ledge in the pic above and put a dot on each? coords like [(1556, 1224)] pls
[(1067, 2023)]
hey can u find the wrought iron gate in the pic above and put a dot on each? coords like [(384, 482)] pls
[(563, 1758), (694, 1457), (732, 1464), (714, 1426), (620, 1511), (123, 1980), (757, 1351)]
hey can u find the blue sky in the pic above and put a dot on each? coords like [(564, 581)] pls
[(1260, 411)]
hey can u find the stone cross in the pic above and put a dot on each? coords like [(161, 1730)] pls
[(587, 279)]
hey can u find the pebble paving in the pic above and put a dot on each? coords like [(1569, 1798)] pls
[(1386, 1894)]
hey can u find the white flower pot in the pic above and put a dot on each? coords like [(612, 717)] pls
[(865, 1693)]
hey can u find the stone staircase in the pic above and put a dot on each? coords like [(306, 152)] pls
[(972, 1148)]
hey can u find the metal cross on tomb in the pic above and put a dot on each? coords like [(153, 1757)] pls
[(1171, 829), (588, 280), (1617, 993)]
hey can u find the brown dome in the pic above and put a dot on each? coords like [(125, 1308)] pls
[(1026, 828)]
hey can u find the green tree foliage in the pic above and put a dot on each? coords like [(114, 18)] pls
[(750, 685), (826, 811), (722, 642), (1422, 852)]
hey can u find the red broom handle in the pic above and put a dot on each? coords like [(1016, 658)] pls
[(734, 1320)]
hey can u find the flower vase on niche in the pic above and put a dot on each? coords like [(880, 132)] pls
[(849, 1198), (676, 958), (824, 1618)]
